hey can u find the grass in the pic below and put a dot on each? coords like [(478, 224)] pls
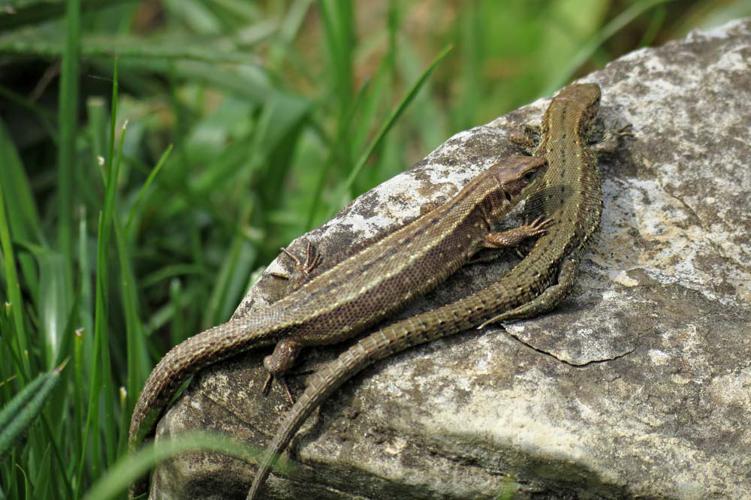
[(247, 124)]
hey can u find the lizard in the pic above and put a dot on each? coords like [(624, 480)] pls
[(357, 292), (569, 193)]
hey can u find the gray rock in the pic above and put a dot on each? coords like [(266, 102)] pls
[(638, 385)]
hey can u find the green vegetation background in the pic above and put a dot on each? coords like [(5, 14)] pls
[(248, 123)]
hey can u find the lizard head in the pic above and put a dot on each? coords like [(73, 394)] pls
[(511, 175), (516, 173), (582, 96)]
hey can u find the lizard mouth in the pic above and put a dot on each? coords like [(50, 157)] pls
[(508, 196), (528, 172)]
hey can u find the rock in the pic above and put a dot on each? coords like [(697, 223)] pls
[(638, 385)]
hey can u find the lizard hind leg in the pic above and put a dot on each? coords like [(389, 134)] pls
[(283, 382), (279, 362), (544, 302), (608, 141), (510, 239)]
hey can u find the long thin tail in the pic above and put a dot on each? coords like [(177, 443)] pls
[(323, 384), (180, 363), (378, 345)]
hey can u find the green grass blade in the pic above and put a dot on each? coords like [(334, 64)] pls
[(232, 279), (134, 210), (68, 120), (249, 81), (54, 303), (79, 394), (16, 13), (85, 278), (131, 467), (426, 111), (314, 210), (177, 328), (13, 291), (100, 376), (339, 32), (588, 50), (656, 22), (10, 410), (45, 43), (137, 356), (338, 22), (19, 414), (125, 411), (386, 127), (61, 464), (25, 225)]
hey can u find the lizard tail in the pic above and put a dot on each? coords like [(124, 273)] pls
[(179, 364), (391, 340), (322, 385)]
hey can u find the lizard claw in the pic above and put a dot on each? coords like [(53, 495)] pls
[(287, 391), (626, 130), (292, 256), (267, 384), (539, 226), (312, 259), (267, 387)]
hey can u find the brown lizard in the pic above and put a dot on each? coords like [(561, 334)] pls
[(569, 193), (357, 292)]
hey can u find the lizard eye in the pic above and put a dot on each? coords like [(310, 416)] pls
[(507, 195)]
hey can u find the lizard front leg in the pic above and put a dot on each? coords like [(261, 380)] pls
[(510, 239), (513, 237)]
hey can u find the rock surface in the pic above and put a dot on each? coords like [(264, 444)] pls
[(638, 385)]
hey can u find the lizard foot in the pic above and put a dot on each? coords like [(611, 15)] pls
[(279, 362), (267, 387), (610, 140), (526, 137), (513, 237), (303, 266)]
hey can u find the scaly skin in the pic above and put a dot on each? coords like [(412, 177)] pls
[(355, 293), (569, 193)]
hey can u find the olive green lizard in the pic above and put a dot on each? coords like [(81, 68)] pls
[(569, 193)]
